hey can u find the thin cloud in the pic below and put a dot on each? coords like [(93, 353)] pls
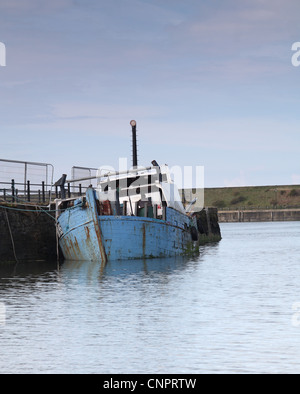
[(38, 6), (239, 180), (295, 179)]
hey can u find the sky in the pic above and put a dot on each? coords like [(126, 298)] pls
[(209, 82)]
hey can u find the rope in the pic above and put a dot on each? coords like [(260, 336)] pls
[(37, 207), (11, 237), (40, 209), (29, 210)]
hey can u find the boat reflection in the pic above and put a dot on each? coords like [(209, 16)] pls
[(125, 267)]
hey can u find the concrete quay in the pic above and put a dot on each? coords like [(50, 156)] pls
[(259, 215)]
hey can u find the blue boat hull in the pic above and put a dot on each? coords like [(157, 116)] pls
[(85, 235)]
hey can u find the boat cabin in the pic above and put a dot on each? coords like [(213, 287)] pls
[(145, 192), (139, 192)]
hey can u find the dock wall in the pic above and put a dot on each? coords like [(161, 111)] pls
[(26, 235), (263, 215)]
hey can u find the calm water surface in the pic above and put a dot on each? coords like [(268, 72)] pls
[(228, 311)]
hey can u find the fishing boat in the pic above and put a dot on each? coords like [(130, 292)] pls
[(135, 214)]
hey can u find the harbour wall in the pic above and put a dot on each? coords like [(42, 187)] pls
[(262, 215), (26, 235)]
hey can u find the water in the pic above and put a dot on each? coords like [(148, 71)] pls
[(235, 309)]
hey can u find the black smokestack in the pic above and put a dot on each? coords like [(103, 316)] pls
[(134, 145)]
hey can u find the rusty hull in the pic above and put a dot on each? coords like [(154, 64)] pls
[(86, 235)]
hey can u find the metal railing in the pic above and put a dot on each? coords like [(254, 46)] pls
[(32, 182), (15, 192), (24, 181), (83, 172)]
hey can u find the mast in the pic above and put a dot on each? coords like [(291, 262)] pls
[(134, 144)]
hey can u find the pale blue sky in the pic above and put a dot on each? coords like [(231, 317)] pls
[(209, 82)]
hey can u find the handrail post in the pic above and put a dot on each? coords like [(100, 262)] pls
[(28, 191), (43, 191), (13, 190)]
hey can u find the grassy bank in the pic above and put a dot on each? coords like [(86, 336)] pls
[(251, 197)]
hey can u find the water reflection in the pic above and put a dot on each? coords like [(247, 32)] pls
[(27, 273), (32, 273), (36, 279), (126, 267), (138, 266), (26, 268)]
